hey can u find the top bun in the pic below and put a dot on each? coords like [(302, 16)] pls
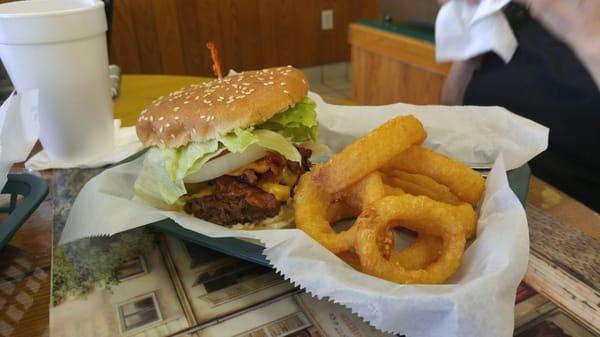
[(205, 111)]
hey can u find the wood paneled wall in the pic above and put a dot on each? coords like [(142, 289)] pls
[(169, 36)]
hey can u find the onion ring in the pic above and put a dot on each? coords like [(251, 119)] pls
[(392, 190), (369, 152), (417, 184), (424, 251), (365, 191), (351, 259), (466, 183), (339, 211), (311, 206), (315, 211), (417, 213)]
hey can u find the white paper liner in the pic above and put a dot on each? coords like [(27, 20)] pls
[(19, 130), (126, 144), (477, 301)]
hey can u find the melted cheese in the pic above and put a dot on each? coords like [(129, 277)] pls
[(202, 192), (288, 178), (257, 166), (281, 192)]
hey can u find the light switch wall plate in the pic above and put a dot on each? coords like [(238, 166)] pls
[(326, 19)]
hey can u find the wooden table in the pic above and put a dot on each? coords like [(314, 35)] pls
[(25, 262)]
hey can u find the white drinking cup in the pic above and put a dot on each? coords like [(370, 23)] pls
[(59, 47)]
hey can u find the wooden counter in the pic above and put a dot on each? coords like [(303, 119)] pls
[(389, 68)]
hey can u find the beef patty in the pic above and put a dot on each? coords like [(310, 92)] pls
[(234, 202), (237, 199)]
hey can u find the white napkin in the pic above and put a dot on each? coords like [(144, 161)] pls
[(463, 30), (19, 130), (477, 301), (126, 144)]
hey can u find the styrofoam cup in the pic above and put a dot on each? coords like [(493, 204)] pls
[(59, 47)]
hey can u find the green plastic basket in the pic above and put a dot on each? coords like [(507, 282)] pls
[(518, 180), (33, 190)]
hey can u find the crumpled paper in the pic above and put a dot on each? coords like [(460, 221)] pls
[(464, 30), (19, 130), (477, 301), (126, 144)]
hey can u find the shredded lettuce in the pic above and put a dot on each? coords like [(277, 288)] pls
[(299, 123), (190, 158), (161, 179), (153, 185), (238, 140), (274, 141)]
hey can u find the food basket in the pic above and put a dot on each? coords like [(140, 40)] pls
[(32, 190), (518, 180)]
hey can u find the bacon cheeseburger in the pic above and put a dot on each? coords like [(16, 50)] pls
[(231, 150)]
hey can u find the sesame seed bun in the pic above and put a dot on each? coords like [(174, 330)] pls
[(205, 111)]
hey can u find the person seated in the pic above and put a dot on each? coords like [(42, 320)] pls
[(553, 79)]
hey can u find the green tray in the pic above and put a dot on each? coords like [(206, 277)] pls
[(33, 189), (518, 180)]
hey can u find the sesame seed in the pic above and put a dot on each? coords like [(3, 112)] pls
[(161, 118), (175, 109), (245, 84), (186, 102), (197, 98), (172, 136), (282, 83), (167, 125), (206, 101), (176, 118), (194, 130), (285, 91), (240, 96), (160, 129), (151, 118)]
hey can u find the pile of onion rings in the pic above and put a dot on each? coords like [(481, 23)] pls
[(387, 180)]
